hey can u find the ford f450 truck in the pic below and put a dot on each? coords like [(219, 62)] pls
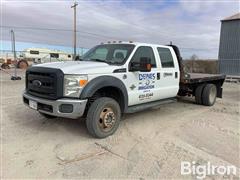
[(112, 79)]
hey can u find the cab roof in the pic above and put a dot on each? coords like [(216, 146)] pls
[(136, 43)]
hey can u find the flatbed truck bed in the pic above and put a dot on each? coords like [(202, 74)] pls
[(192, 84), (201, 78)]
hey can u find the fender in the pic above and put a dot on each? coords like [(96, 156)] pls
[(105, 81)]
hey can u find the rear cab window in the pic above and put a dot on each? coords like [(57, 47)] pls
[(166, 58)]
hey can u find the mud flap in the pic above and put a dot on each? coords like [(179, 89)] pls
[(219, 92)]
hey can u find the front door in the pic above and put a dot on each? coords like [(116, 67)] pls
[(142, 86)]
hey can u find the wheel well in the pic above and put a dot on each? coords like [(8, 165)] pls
[(111, 92)]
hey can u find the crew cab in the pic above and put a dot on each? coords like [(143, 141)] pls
[(112, 79)]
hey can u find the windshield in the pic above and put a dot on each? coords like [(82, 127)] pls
[(109, 53)]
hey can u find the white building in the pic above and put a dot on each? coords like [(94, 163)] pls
[(43, 55)]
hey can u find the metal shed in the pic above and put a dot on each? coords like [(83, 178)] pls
[(229, 48)]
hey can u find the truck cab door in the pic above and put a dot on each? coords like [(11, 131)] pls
[(142, 85), (168, 74)]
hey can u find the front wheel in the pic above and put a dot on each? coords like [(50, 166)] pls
[(103, 117)]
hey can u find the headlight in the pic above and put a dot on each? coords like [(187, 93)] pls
[(73, 85)]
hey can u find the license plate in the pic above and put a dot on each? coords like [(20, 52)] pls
[(33, 104)]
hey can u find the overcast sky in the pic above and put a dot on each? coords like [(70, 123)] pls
[(193, 25)]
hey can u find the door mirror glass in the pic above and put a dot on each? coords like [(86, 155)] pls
[(143, 66)]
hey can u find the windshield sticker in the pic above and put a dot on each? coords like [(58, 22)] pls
[(146, 81)]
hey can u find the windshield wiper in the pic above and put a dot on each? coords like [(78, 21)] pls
[(100, 60)]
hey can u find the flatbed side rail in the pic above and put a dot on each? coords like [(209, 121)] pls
[(201, 78)]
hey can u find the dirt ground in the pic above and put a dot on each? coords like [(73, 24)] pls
[(149, 144)]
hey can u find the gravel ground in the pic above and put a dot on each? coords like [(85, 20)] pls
[(149, 144)]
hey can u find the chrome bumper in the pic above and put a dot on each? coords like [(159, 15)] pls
[(54, 106)]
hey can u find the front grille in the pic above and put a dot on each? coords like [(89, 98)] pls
[(49, 82)]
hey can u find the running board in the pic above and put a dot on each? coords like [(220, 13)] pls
[(141, 107)]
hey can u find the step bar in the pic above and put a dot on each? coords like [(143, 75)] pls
[(141, 107)]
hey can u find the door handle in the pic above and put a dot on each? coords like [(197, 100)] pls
[(176, 75), (158, 76)]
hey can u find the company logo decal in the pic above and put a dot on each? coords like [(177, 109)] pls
[(146, 81)]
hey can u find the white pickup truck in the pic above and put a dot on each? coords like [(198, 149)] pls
[(112, 79)]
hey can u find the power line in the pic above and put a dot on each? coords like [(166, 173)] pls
[(55, 29), (90, 34)]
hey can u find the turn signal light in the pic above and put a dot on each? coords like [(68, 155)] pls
[(83, 82)]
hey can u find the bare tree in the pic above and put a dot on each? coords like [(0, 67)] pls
[(193, 58)]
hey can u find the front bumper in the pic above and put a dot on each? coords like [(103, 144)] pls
[(54, 107)]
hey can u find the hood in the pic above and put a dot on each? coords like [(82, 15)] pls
[(81, 67)]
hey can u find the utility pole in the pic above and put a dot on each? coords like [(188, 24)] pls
[(14, 77), (74, 30)]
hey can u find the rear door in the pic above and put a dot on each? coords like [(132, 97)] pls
[(168, 73)]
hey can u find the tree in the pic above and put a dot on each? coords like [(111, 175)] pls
[(193, 58)]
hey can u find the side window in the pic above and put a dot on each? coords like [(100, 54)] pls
[(100, 53), (166, 57), (144, 51), (54, 55)]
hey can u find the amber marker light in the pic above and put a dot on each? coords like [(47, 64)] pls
[(83, 82)]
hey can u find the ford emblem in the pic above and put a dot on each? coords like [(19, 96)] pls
[(37, 83)]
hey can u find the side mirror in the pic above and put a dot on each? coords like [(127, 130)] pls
[(143, 66)]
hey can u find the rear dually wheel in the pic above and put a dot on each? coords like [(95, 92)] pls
[(209, 95), (198, 94)]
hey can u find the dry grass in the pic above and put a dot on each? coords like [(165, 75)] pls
[(201, 66)]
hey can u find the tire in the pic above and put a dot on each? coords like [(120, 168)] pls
[(198, 94), (22, 64), (209, 95), (47, 115), (5, 66), (103, 117)]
